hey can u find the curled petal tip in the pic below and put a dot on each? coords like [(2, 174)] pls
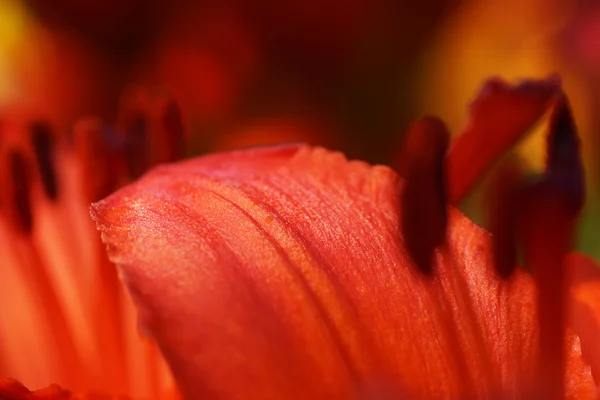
[(542, 87), (534, 88), (517, 105), (500, 115)]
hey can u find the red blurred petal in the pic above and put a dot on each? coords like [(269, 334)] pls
[(281, 273)]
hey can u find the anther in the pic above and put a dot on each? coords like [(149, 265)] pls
[(151, 129), (136, 142), (564, 167), (98, 158), (169, 134), (547, 229), (43, 148), (503, 205), (423, 204), (19, 180)]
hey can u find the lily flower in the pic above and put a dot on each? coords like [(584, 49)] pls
[(290, 272)]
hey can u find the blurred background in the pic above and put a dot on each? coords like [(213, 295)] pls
[(347, 74)]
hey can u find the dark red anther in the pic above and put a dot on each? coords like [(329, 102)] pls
[(42, 142), (564, 167), (503, 206), (136, 142), (547, 228), (511, 197), (423, 204), (151, 130), (99, 158), (170, 135), (18, 182)]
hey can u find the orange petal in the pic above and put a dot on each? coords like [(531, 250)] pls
[(281, 273), (500, 115), (585, 307)]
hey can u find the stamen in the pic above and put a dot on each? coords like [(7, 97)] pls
[(564, 167), (151, 129), (20, 217), (169, 135), (100, 165), (66, 282), (136, 146), (503, 202), (19, 181), (109, 321), (547, 233), (500, 115), (98, 159), (22, 197), (43, 146), (424, 213), (53, 312)]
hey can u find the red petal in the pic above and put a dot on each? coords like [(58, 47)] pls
[(281, 273), (13, 390), (585, 307)]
